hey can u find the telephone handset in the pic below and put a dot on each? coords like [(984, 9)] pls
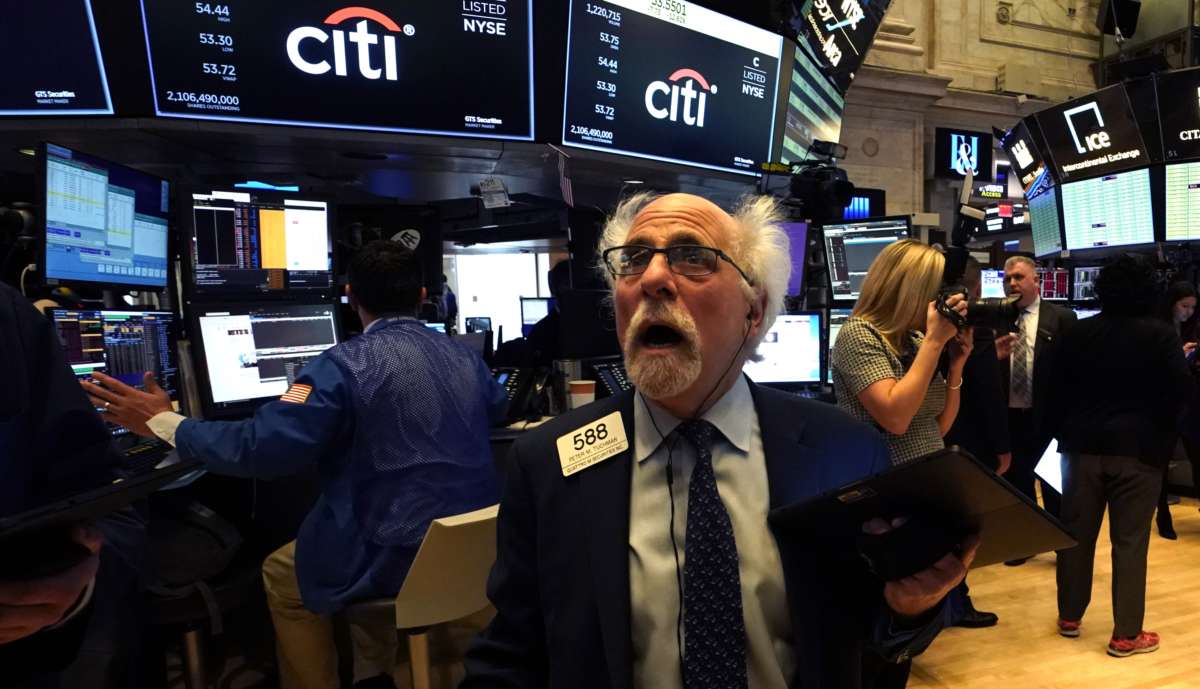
[(526, 389)]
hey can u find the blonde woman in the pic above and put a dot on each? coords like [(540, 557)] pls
[(885, 360), (885, 372)]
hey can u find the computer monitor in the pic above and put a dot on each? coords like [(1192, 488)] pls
[(992, 284), (1046, 223), (1182, 197), (251, 353), (837, 317), (259, 243), (103, 223), (1114, 210), (1056, 283), (1085, 283), (534, 309), (851, 247), (1081, 313), (436, 327), (791, 352), (121, 344)]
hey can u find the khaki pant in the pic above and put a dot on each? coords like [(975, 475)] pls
[(304, 640)]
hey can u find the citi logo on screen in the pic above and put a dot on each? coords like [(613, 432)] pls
[(366, 56), (964, 154), (1098, 139), (678, 97)]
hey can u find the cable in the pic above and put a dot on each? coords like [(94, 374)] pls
[(25, 270)]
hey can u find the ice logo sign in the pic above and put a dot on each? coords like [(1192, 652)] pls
[(964, 154), (1098, 139)]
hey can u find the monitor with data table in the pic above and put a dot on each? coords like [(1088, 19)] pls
[(1055, 283), (851, 247), (1183, 202), (259, 244), (122, 344), (1113, 210), (1046, 221), (103, 223), (252, 353), (791, 352), (1085, 283)]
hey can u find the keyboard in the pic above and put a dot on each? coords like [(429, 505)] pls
[(144, 456)]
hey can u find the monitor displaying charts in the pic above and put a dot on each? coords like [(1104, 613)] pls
[(791, 351), (1055, 283), (851, 247), (1183, 202), (1114, 210), (837, 318)]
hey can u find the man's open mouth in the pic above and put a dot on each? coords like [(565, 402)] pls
[(660, 336)]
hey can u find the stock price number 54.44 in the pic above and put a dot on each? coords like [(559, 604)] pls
[(221, 12)]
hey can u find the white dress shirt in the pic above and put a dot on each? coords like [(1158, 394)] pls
[(1029, 318), (741, 473)]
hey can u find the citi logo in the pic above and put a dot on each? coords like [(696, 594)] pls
[(360, 36), (674, 91)]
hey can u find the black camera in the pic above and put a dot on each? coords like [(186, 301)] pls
[(993, 314)]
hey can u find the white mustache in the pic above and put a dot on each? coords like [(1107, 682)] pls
[(660, 313)]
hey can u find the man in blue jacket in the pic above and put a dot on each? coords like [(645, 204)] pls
[(633, 549), (396, 422)]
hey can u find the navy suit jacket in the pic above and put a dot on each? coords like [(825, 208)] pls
[(560, 583)]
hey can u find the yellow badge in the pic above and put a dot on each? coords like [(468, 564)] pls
[(297, 394), (592, 444)]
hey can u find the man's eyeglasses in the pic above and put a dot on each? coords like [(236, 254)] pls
[(689, 260)]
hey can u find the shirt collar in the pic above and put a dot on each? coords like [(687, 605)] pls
[(731, 415), (384, 321), (1035, 305)]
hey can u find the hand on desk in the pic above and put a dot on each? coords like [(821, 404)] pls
[(126, 405), (916, 595), (28, 607)]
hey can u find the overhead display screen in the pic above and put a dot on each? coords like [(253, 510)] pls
[(1047, 227), (1179, 113), (838, 33), (1183, 202), (53, 58), (672, 81), (410, 66), (1093, 136), (1028, 161), (1115, 210), (814, 111), (958, 152)]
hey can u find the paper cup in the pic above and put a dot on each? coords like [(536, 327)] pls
[(582, 392)]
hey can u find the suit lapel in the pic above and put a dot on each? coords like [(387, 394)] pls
[(605, 491), (781, 434)]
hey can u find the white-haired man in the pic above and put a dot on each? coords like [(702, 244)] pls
[(633, 544), (1028, 352)]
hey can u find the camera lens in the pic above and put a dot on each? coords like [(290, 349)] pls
[(994, 314)]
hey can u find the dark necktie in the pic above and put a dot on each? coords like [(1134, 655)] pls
[(714, 630), (1022, 392)]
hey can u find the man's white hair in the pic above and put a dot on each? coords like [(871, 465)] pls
[(759, 246)]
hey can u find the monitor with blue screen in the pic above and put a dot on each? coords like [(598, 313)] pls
[(103, 223), (992, 284)]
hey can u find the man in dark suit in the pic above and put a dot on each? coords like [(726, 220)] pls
[(1029, 353), (633, 545)]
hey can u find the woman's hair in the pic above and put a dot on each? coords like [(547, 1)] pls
[(900, 283), (1126, 286)]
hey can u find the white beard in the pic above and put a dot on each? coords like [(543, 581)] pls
[(658, 376)]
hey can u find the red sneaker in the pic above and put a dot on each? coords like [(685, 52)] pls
[(1069, 629), (1146, 642)]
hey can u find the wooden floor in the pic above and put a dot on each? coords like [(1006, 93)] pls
[(1025, 650)]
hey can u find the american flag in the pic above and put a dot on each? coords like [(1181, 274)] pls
[(297, 394), (564, 182)]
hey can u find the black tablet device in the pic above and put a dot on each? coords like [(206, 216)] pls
[(92, 504), (949, 494)]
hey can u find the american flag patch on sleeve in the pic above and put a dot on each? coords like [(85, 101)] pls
[(297, 394)]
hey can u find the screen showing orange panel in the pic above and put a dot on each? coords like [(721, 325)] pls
[(272, 233)]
